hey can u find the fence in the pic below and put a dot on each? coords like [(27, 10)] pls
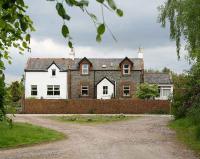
[(90, 106)]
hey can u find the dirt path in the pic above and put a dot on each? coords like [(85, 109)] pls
[(143, 138)]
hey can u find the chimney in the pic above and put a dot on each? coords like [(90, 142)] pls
[(72, 54), (140, 53)]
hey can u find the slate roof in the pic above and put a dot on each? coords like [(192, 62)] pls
[(157, 78), (42, 64), (111, 63)]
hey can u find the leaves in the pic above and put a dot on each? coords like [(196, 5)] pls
[(70, 44), (101, 29), (65, 31), (61, 11), (98, 38), (119, 12), (100, 1), (112, 4)]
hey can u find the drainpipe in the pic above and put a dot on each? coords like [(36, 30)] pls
[(94, 85)]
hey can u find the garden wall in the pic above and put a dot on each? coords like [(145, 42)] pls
[(89, 106)]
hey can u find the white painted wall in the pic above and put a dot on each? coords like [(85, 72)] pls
[(100, 94), (161, 97), (42, 79)]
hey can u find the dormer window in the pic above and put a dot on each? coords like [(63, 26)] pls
[(126, 69), (85, 69), (53, 72)]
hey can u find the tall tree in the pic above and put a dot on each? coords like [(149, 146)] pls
[(184, 20)]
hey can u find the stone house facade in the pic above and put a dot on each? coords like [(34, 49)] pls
[(112, 69)]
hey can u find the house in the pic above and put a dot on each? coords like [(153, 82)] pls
[(91, 78), (164, 82)]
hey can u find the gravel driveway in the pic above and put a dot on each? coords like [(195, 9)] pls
[(143, 138)]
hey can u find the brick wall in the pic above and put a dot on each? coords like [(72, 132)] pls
[(83, 106)]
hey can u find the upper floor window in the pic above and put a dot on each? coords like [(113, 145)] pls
[(126, 69), (85, 69), (53, 90), (105, 89), (84, 91), (34, 90), (126, 90), (53, 72)]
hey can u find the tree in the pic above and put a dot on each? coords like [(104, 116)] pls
[(184, 20), (147, 91), (2, 95), (16, 91), (166, 70)]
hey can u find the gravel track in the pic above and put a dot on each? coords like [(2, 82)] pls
[(147, 137)]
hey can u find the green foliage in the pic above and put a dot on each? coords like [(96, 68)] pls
[(91, 118), (184, 18), (147, 91), (187, 132), (2, 99), (18, 136), (15, 26), (16, 91)]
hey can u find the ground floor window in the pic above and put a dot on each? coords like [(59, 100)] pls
[(34, 90), (105, 90), (126, 90), (53, 90), (164, 91), (84, 90)]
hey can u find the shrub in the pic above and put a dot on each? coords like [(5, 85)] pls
[(147, 91)]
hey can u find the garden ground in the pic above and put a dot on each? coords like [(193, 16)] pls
[(147, 137)]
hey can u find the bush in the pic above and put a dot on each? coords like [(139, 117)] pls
[(194, 114), (147, 91)]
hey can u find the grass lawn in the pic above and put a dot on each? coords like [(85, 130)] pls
[(187, 133), (25, 134), (89, 119)]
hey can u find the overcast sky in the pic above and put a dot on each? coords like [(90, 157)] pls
[(138, 27)]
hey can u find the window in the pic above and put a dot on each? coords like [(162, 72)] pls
[(165, 91), (105, 89), (33, 90), (85, 69), (53, 90), (126, 90), (84, 90), (126, 69), (53, 73)]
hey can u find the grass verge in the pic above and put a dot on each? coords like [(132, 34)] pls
[(187, 133), (89, 119), (25, 134)]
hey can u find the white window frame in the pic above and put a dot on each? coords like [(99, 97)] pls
[(86, 88), (125, 69), (85, 69), (54, 89), (105, 90), (128, 88), (34, 90), (162, 88)]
